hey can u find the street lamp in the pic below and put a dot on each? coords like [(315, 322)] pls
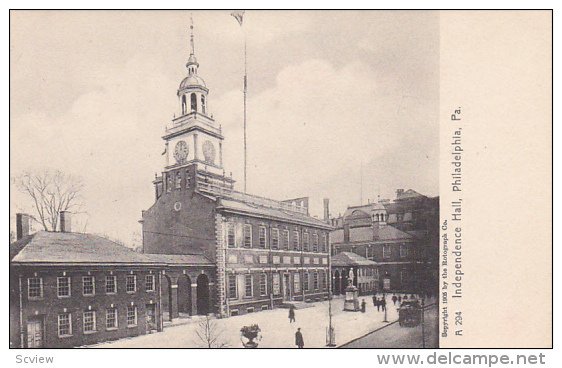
[(385, 315)]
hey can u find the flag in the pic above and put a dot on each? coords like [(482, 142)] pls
[(239, 15)]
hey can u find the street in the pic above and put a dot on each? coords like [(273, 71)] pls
[(276, 331), (395, 336)]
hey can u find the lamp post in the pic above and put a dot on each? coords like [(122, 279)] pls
[(422, 324), (385, 315), (331, 333)]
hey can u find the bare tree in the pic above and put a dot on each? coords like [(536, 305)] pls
[(209, 333), (51, 192)]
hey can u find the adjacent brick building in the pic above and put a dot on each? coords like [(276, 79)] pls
[(70, 289), (401, 236)]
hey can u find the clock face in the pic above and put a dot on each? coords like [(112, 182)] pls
[(181, 151), (209, 152)]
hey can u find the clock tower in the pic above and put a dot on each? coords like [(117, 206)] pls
[(193, 139)]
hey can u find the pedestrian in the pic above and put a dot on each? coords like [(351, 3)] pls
[(399, 299), (378, 304), (363, 306), (394, 299), (374, 300), (383, 304), (292, 314), (299, 341)]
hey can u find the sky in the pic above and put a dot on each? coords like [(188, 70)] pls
[(337, 101)]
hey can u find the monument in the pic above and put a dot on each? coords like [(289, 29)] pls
[(351, 303)]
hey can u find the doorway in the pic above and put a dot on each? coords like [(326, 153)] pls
[(184, 296), (286, 287), (203, 301), (35, 333), (151, 317)]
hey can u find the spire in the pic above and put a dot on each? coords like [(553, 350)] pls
[(191, 38), (192, 63)]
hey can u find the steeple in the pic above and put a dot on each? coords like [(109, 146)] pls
[(192, 63)]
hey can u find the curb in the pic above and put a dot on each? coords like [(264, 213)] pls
[(378, 329)]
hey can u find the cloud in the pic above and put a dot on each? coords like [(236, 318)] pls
[(310, 133)]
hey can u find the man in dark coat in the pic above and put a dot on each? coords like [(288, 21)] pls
[(394, 299), (299, 341), (383, 304), (292, 314)]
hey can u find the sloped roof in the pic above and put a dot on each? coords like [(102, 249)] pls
[(389, 232), (368, 233), (289, 216), (348, 259), (181, 259), (74, 248)]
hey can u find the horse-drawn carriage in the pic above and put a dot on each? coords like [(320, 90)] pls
[(409, 313)]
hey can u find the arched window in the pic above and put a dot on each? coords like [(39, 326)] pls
[(193, 102), (183, 105), (203, 105), (169, 185), (178, 180)]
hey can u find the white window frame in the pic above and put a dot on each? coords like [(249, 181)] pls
[(285, 240), (134, 284), (263, 284), (306, 241), (315, 281), (135, 315), (84, 285), (276, 277), (230, 234), (315, 243), (275, 238), (247, 226), (251, 278), (233, 277), (296, 282), (264, 229), (152, 278), (296, 243), (116, 326), (69, 324), (59, 286), (94, 327), (386, 254), (114, 278), (33, 297), (403, 251)]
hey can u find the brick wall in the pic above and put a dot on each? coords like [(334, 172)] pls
[(50, 305)]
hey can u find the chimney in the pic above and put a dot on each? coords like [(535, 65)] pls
[(22, 225), (399, 193), (65, 222), (327, 210)]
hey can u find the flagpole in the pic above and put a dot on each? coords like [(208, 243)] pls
[(239, 16), (245, 96)]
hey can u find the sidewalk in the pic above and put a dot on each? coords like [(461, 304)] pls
[(276, 330)]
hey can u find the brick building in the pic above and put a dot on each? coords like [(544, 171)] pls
[(401, 236), (70, 289), (241, 253)]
